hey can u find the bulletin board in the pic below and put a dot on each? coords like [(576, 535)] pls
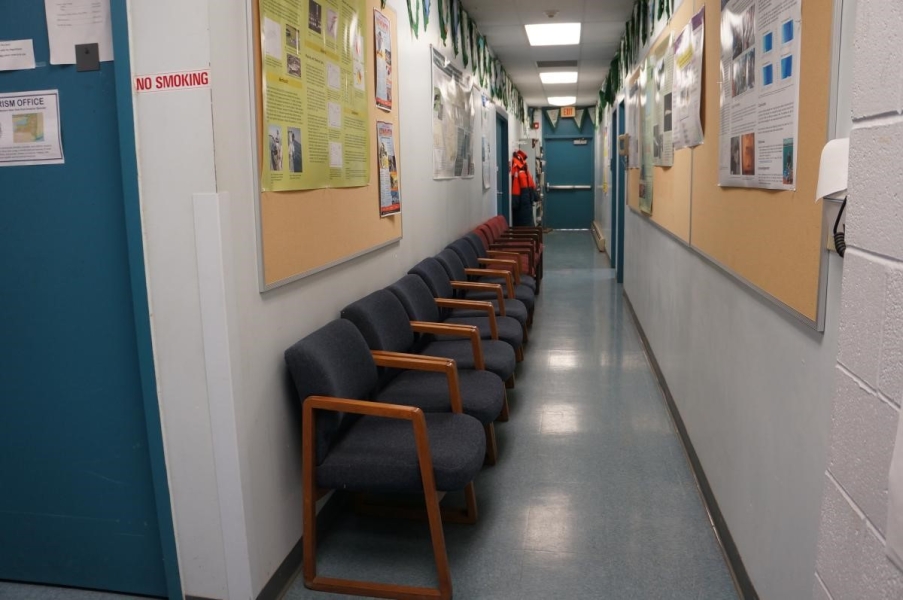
[(305, 232), (772, 240), (671, 186)]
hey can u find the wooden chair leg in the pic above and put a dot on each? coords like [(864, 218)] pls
[(519, 354), (526, 335), (510, 383), (492, 450), (309, 503), (432, 509), (505, 414)]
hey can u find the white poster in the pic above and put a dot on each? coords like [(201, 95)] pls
[(487, 165), (662, 110), (634, 122), (72, 22), (687, 48), (453, 120), (760, 61), (30, 129), (16, 55)]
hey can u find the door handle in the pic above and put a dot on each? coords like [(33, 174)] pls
[(567, 188)]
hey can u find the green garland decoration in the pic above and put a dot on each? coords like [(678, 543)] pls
[(443, 25), (414, 17), (455, 30), (426, 15), (464, 36)]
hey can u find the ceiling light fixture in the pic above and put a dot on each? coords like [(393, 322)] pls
[(562, 100), (553, 34), (559, 77)]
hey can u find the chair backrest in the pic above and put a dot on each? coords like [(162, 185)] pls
[(496, 226), (417, 299), (332, 361), (436, 277), (486, 235), (451, 262), (382, 320), (477, 243), (466, 253)]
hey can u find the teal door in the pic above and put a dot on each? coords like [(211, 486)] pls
[(501, 163), (83, 499), (569, 201)]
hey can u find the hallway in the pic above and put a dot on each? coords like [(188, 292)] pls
[(592, 496)]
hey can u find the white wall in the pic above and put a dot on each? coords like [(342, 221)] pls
[(602, 200), (851, 560), (753, 387), (236, 486)]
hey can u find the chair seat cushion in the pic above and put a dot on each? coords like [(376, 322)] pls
[(482, 393), (509, 328), (513, 308), (380, 455), (498, 356)]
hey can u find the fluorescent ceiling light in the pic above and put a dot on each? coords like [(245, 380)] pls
[(559, 77), (553, 34), (562, 100)]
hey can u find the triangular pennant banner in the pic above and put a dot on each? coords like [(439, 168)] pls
[(552, 115), (578, 117), (426, 13), (594, 116)]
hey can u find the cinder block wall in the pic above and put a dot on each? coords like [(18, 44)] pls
[(851, 562)]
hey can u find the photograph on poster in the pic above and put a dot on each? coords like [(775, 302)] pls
[(668, 113), (293, 65), (767, 74), (767, 42), (735, 155), (291, 37), (315, 17), (295, 164), (788, 161), (743, 31), (787, 32), (332, 23), (748, 149), (787, 67), (744, 73), (272, 38), (275, 148)]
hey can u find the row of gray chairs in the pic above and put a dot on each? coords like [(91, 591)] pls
[(401, 395)]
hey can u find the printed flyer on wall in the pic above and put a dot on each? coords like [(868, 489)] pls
[(687, 48), (30, 129), (662, 116), (389, 190), (647, 100), (383, 35), (760, 61), (634, 122), (453, 117), (316, 131)]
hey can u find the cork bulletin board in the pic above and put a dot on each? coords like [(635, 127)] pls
[(305, 232), (771, 240)]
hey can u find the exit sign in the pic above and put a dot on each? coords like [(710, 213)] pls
[(568, 112)]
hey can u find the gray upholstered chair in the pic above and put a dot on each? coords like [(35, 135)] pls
[(473, 263), (382, 319), (354, 444), (455, 269), (509, 253), (420, 305)]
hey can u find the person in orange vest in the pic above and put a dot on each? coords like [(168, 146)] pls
[(523, 190)]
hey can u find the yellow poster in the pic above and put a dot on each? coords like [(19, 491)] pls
[(316, 121)]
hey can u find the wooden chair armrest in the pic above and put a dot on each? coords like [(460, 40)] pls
[(469, 331), (495, 273), (480, 287), (418, 362), (362, 407), (513, 253), (512, 265), (475, 305)]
